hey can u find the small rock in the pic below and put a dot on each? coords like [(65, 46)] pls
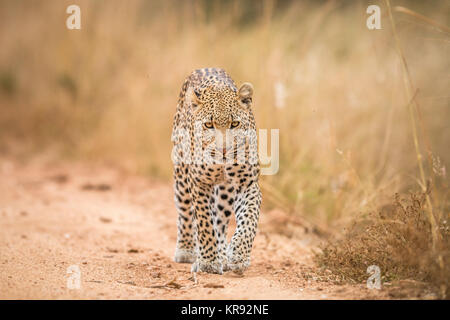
[(213, 285), (60, 178), (87, 186), (105, 220), (103, 187), (98, 187)]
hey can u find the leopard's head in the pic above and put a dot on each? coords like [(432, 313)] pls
[(222, 114)]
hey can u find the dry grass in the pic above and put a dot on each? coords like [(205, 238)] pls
[(108, 92), (398, 239)]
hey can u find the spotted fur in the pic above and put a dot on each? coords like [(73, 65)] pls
[(206, 195)]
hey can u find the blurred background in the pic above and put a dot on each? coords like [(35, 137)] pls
[(108, 92)]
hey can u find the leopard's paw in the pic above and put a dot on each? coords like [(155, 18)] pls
[(185, 256), (207, 266), (238, 268), (236, 261)]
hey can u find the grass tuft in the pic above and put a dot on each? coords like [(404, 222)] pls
[(398, 239)]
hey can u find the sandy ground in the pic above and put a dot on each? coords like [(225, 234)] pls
[(120, 231)]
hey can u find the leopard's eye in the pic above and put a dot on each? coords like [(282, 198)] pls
[(235, 124), (208, 125)]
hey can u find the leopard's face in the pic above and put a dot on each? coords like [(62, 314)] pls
[(222, 117)]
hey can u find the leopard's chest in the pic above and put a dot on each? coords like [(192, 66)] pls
[(233, 174)]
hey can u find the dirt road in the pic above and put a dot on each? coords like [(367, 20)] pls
[(120, 232)]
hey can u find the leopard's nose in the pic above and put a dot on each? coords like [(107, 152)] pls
[(224, 151)]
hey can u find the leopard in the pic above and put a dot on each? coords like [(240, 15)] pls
[(216, 172)]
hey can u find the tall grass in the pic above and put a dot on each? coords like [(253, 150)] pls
[(108, 92)]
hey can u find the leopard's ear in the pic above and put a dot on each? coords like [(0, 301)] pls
[(246, 94), (192, 98)]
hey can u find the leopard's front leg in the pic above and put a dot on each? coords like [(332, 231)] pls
[(223, 201), (208, 259), (186, 239), (247, 207)]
